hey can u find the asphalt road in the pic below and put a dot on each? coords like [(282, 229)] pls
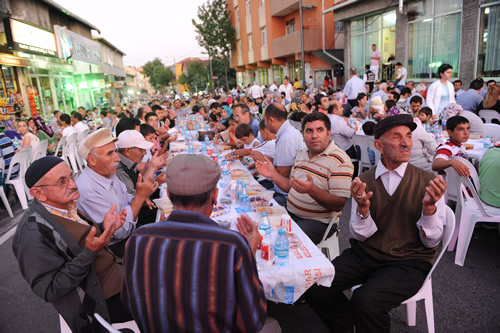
[(466, 299)]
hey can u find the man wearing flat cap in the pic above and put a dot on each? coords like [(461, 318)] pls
[(62, 253), (395, 236), (187, 274), (100, 188)]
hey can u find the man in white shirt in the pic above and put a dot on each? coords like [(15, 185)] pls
[(310, 83), (401, 78), (395, 239), (65, 125), (374, 60), (287, 88), (273, 87), (256, 91), (78, 125), (353, 87), (342, 132)]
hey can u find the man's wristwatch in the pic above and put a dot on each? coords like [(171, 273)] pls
[(361, 217)]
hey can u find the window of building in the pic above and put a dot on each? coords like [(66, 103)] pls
[(277, 73), (378, 29), (294, 68), (263, 76), (488, 60), (248, 8), (263, 35), (250, 42), (433, 36), (262, 3), (290, 26), (237, 14)]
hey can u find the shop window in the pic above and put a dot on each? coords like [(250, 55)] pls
[(277, 73), (488, 62), (263, 76)]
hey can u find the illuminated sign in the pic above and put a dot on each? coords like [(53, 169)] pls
[(76, 47), (28, 38)]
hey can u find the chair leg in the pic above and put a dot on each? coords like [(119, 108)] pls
[(429, 312), (411, 313), (19, 186), (464, 237), (6, 202)]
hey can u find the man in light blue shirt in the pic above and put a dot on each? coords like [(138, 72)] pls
[(100, 188), (289, 141), (353, 87), (471, 99)]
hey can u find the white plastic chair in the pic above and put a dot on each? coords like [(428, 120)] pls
[(489, 116), (60, 145), (82, 135), (492, 130), (23, 158), (39, 150), (371, 145), (425, 292), (70, 154), (330, 245), (470, 210), (364, 158), (131, 325), (2, 192)]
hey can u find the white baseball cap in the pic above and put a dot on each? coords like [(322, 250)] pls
[(132, 138)]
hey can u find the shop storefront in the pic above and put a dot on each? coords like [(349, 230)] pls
[(114, 74), (85, 56)]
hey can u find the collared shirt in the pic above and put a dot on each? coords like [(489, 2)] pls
[(288, 90), (331, 171), (489, 168), (68, 131), (256, 91), (289, 141), (341, 132), (197, 276), (432, 225), (469, 100), (97, 196), (353, 87), (71, 213), (376, 54), (254, 124), (123, 176)]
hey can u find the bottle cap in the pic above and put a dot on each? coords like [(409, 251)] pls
[(264, 213), (281, 232)]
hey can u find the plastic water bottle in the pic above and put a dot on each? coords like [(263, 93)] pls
[(225, 169), (264, 225), (207, 140), (443, 123), (190, 148), (16, 143), (237, 190), (487, 142), (281, 249), (427, 127), (244, 198)]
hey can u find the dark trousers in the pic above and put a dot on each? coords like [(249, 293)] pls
[(351, 152), (119, 248), (117, 312), (312, 228), (385, 285), (280, 199)]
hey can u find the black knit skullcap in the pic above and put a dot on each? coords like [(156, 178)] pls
[(39, 168)]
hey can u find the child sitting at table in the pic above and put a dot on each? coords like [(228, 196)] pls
[(227, 136), (244, 133), (458, 129), (425, 115)]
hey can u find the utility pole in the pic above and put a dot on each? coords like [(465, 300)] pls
[(302, 61), (211, 73)]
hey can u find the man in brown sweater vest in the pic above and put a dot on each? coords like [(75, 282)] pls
[(63, 255), (397, 218)]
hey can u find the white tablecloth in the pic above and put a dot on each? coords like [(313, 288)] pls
[(307, 264)]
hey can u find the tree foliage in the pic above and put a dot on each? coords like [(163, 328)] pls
[(196, 77), (215, 32), (218, 68), (159, 75)]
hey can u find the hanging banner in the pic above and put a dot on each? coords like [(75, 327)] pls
[(28, 38)]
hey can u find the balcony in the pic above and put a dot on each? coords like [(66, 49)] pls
[(290, 44), (285, 7)]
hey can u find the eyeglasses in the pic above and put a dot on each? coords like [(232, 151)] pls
[(62, 182)]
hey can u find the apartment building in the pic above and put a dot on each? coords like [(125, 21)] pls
[(268, 44)]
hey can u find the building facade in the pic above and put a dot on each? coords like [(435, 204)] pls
[(422, 35), (48, 59), (268, 44)]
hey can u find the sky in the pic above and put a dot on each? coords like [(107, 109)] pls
[(143, 29)]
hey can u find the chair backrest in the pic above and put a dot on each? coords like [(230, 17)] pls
[(448, 229), (473, 172), (2, 168), (39, 150), (60, 145), (23, 158), (70, 146), (371, 145), (492, 130), (82, 135), (489, 116), (362, 142)]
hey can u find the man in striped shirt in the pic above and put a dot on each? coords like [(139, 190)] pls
[(7, 152), (187, 274), (320, 181)]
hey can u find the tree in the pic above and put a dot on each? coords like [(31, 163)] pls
[(215, 32), (195, 78), (159, 75), (219, 69)]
